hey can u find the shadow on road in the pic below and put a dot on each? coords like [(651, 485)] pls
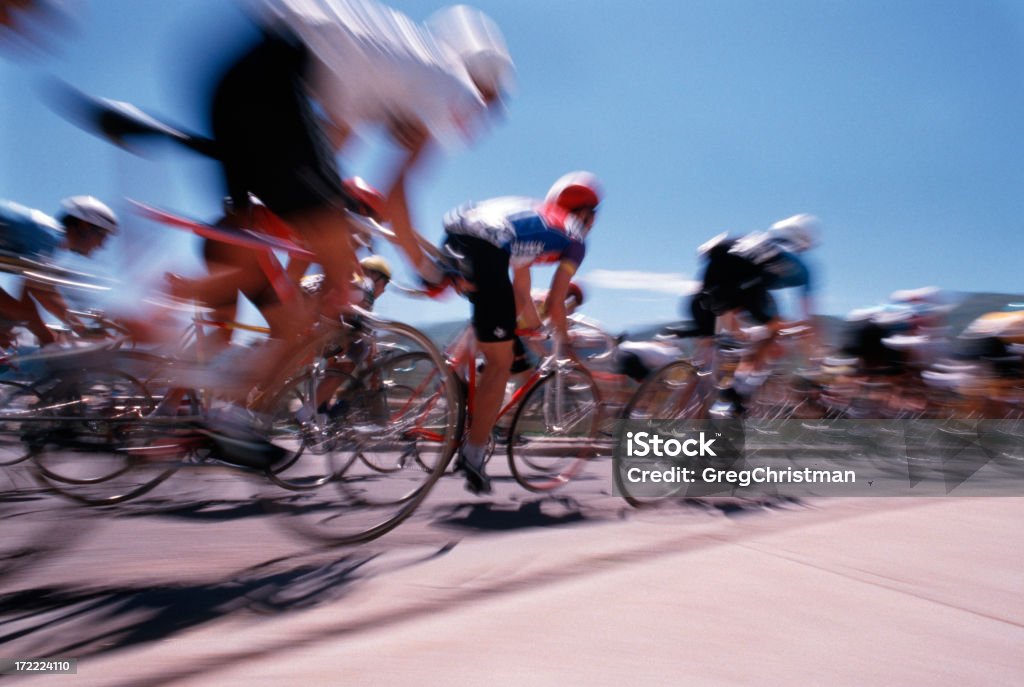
[(58, 621), (541, 512)]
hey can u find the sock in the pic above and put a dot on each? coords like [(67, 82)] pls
[(474, 455)]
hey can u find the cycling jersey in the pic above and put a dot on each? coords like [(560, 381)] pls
[(522, 227), (493, 235), (28, 233), (372, 63), (780, 268), (741, 273)]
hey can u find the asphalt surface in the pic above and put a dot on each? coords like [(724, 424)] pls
[(198, 584)]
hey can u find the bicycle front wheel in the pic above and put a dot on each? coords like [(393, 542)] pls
[(554, 430), (670, 393), (89, 442), (386, 435)]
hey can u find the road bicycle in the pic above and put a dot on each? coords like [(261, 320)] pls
[(548, 424)]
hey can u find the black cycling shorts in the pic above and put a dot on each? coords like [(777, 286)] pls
[(731, 282), (494, 302), (866, 342), (270, 141)]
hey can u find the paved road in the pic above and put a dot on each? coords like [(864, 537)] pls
[(196, 584)]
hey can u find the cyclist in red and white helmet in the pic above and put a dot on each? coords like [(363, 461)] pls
[(82, 226), (490, 238)]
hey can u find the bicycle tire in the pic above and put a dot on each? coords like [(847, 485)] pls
[(310, 453), (86, 436), (360, 503), (669, 393), (561, 413), (16, 400)]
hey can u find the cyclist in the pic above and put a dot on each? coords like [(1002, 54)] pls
[(992, 348), (490, 237), (365, 292), (361, 63), (365, 289), (738, 278), (321, 70), (82, 226)]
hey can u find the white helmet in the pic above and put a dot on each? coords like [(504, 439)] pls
[(478, 42), (798, 233), (91, 211)]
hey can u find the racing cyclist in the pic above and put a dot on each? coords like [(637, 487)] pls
[(488, 239), (739, 278), (82, 226)]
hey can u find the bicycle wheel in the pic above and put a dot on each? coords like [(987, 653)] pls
[(554, 430), (402, 414), (16, 401), (89, 442), (670, 393), (305, 417), (408, 393)]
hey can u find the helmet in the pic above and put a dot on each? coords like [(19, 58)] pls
[(799, 232), (575, 191), (377, 264), (368, 201), (479, 43), (91, 211), (704, 249), (575, 293)]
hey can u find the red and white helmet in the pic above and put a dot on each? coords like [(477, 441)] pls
[(91, 211), (575, 191)]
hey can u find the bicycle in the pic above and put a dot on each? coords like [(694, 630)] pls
[(141, 449), (682, 390), (554, 416)]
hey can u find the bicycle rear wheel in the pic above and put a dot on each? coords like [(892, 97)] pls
[(388, 437), (554, 430)]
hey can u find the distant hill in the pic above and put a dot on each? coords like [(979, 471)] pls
[(969, 306)]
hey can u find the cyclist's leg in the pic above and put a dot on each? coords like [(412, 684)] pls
[(494, 321)]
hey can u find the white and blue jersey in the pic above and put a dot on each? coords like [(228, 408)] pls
[(28, 233), (522, 228), (781, 268)]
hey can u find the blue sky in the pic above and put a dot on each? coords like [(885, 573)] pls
[(896, 122)]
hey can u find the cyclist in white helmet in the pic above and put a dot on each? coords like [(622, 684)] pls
[(82, 226), (322, 71), (739, 278)]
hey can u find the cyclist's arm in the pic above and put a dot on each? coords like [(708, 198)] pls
[(416, 141), (521, 283), (30, 314), (557, 315), (54, 303)]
